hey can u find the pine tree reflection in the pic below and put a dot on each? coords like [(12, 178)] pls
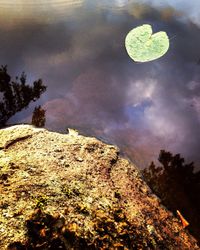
[(38, 117), (16, 95), (178, 186)]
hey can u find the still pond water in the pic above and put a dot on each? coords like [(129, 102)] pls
[(77, 48)]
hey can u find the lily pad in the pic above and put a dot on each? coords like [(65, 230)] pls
[(143, 46)]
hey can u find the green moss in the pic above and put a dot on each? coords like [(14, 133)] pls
[(73, 189), (41, 202)]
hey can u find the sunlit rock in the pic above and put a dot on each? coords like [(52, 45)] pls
[(60, 191)]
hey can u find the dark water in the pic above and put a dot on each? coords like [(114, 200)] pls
[(77, 48)]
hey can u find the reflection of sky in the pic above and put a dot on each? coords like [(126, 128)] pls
[(137, 112), (77, 48), (190, 9)]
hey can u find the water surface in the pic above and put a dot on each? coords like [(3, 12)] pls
[(77, 48)]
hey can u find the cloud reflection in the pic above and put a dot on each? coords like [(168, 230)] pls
[(189, 8), (46, 10), (94, 86)]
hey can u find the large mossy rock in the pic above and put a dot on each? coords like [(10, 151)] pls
[(67, 191)]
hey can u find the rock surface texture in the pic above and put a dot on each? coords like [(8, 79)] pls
[(67, 191)]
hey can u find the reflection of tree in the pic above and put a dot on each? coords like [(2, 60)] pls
[(38, 117), (16, 95), (178, 187)]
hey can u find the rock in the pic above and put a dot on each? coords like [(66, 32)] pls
[(67, 191)]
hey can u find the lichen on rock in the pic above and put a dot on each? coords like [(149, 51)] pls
[(60, 191)]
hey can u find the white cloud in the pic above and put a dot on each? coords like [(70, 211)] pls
[(196, 105), (140, 91), (189, 8), (160, 121)]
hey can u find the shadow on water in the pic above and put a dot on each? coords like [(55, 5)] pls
[(16, 96), (178, 186)]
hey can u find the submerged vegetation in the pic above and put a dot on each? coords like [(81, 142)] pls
[(107, 230)]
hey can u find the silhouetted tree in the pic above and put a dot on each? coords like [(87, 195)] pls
[(38, 117), (178, 186), (16, 95)]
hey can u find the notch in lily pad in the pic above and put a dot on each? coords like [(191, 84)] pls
[(144, 46)]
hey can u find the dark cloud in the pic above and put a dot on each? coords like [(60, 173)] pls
[(94, 86)]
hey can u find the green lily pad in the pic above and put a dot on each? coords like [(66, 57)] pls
[(143, 46)]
